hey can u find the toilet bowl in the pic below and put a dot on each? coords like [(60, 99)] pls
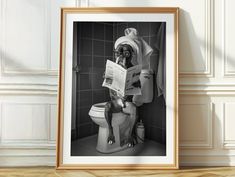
[(121, 128)]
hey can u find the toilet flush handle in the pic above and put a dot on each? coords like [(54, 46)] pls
[(77, 68)]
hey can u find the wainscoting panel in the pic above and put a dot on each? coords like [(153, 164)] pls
[(196, 125), (22, 122), (228, 36)]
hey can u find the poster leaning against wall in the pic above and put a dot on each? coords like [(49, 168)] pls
[(118, 89)]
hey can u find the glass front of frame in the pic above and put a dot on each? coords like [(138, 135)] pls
[(100, 125)]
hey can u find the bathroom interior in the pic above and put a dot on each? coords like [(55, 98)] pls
[(93, 44)]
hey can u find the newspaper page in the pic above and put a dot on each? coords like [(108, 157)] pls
[(120, 80)]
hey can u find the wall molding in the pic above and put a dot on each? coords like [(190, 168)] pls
[(226, 144), (47, 56), (226, 73), (28, 89), (32, 142), (209, 43), (206, 143)]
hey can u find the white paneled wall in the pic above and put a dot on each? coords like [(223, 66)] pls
[(29, 55)]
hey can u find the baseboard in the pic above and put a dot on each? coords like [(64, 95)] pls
[(48, 159)]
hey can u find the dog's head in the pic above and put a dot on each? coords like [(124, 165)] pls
[(124, 54)]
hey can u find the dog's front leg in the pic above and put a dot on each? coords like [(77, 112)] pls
[(131, 110)]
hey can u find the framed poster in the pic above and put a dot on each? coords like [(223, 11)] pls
[(118, 89)]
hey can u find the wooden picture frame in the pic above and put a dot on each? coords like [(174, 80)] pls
[(87, 37)]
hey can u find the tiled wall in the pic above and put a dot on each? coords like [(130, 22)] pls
[(97, 46), (97, 41)]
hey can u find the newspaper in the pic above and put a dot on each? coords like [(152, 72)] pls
[(121, 80)]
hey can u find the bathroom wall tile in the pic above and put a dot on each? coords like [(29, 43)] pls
[(97, 80), (85, 47), (95, 128), (154, 62), (115, 31), (147, 129), (84, 82), (163, 136), (144, 29), (86, 29), (85, 98), (84, 130), (98, 96), (147, 39), (98, 48), (98, 64), (156, 114), (83, 116), (156, 134), (108, 49), (98, 31), (153, 41), (108, 32), (106, 94), (132, 25), (85, 64), (120, 29), (154, 27)]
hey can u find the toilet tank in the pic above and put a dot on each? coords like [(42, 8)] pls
[(146, 80)]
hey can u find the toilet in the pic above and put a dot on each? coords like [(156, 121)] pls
[(121, 128)]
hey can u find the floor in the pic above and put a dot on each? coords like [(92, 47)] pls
[(87, 147), (184, 172)]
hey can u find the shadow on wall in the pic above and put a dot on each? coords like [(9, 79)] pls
[(12, 62), (190, 47)]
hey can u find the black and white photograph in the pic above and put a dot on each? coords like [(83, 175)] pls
[(108, 121), (118, 88)]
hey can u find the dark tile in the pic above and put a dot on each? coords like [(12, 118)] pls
[(86, 29), (98, 31), (95, 128), (98, 64), (120, 29), (73, 135), (164, 118), (154, 27), (83, 116), (144, 29), (108, 48), (156, 134), (84, 82), (153, 44), (98, 48), (106, 94), (147, 131), (154, 62), (84, 130), (97, 80), (147, 39), (164, 136), (85, 47), (98, 96), (85, 64), (85, 98), (115, 32), (132, 25), (108, 32), (78, 100), (156, 115)]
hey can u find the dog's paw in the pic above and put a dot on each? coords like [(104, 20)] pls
[(130, 142), (111, 139)]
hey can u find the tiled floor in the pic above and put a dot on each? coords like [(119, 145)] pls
[(87, 147)]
